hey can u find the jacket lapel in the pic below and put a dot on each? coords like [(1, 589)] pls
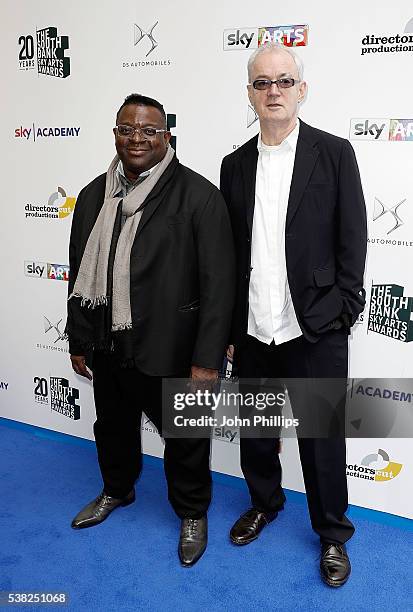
[(155, 197), (305, 158), (249, 171)]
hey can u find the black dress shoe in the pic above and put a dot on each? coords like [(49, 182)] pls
[(249, 526), (99, 509), (334, 564), (193, 540)]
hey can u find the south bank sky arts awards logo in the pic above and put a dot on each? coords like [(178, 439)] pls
[(46, 50), (237, 39), (57, 393), (391, 312), (59, 206), (145, 47)]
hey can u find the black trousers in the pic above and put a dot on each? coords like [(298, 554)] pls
[(121, 395), (323, 459)]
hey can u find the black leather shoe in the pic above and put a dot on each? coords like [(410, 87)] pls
[(193, 540), (249, 526), (99, 509), (335, 565)]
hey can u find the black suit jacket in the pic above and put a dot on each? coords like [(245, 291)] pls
[(325, 235), (182, 274)]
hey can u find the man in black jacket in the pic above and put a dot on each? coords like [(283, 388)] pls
[(299, 223), (150, 296)]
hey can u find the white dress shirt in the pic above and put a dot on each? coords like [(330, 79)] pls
[(271, 314)]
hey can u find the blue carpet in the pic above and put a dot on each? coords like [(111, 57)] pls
[(130, 562)]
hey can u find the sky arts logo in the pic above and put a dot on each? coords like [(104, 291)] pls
[(381, 129), (375, 467), (52, 271), (41, 133), (59, 206), (61, 395), (50, 56), (252, 38), (145, 39), (391, 313)]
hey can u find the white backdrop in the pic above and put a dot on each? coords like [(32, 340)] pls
[(56, 137)]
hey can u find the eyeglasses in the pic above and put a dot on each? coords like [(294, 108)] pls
[(127, 131), (284, 83)]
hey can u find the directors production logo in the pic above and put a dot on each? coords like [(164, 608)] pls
[(375, 467), (58, 394), (59, 206), (393, 43), (381, 129), (391, 313), (236, 39), (145, 41), (387, 219), (50, 53)]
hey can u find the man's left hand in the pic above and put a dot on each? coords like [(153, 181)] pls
[(206, 374)]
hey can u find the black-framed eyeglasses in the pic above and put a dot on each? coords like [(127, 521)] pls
[(127, 131), (284, 83)]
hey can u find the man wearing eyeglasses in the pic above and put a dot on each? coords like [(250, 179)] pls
[(150, 296), (298, 217)]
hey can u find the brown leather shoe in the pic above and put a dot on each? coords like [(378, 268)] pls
[(99, 509), (249, 525), (335, 565)]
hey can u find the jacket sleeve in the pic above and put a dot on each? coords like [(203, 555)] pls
[(216, 267), (78, 328), (351, 237)]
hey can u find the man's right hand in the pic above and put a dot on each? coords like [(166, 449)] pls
[(230, 353), (79, 366)]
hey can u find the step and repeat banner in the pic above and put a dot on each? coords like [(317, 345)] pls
[(67, 68)]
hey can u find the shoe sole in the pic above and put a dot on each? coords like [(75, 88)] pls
[(243, 543)]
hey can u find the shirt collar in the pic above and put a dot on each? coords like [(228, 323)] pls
[(290, 141), (121, 173)]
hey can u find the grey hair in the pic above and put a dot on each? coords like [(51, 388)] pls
[(271, 47)]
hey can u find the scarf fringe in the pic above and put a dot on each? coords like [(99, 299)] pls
[(90, 302), (121, 326)]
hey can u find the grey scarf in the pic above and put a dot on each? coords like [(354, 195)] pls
[(91, 281)]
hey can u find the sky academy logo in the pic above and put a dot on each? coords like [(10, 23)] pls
[(51, 271), (42, 133), (58, 394), (236, 39), (391, 313), (59, 206), (4, 386), (145, 41), (381, 129), (375, 467), (50, 57)]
